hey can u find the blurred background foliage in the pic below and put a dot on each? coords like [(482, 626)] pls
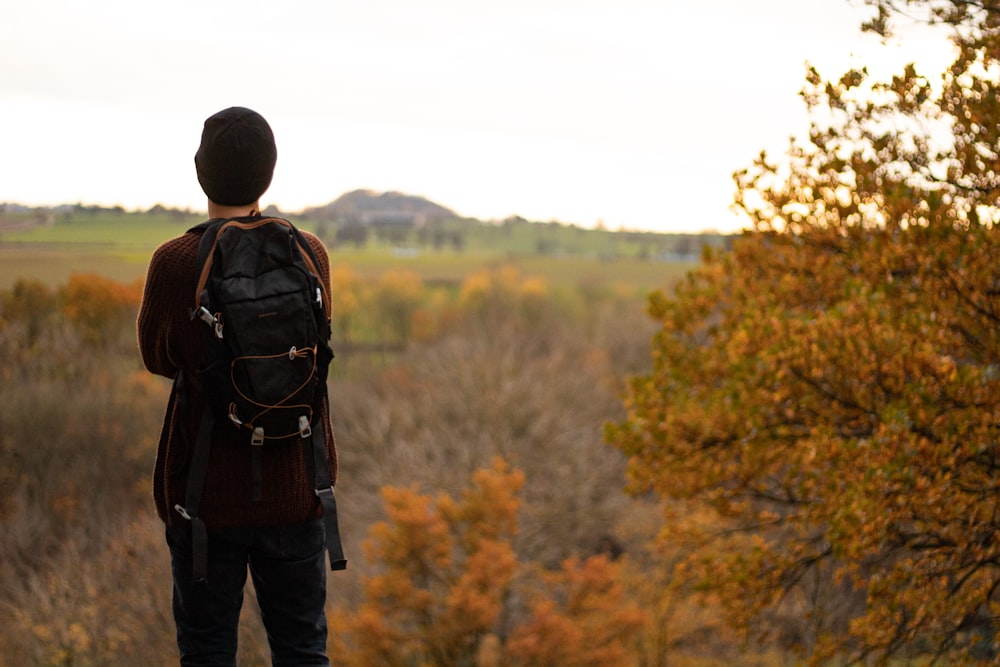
[(484, 515)]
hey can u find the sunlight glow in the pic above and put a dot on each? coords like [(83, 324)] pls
[(635, 113)]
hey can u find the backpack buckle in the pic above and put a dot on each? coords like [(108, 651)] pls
[(204, 315), (305, 430), (257, 439)]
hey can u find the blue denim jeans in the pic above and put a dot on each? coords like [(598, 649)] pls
[(287, 564)]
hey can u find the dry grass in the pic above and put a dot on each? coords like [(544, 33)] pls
[(85, 576)]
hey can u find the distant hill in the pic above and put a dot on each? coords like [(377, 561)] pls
[(364, 207)]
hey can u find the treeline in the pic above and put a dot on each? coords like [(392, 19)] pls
[(519, 236), (484, 516), (407, 231)]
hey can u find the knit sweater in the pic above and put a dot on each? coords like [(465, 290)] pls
[(171, 341)]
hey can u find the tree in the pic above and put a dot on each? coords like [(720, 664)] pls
[(449, 585), (346, 290), (29, 303), (352, 233), (397, 297), (830, 388), (581, 619), (447, 567), (98, 307)]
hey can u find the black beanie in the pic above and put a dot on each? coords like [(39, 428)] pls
[(235, 161)]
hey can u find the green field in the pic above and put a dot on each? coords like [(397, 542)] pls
[(118, 245)]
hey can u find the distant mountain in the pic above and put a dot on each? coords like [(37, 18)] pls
[(365, 207)]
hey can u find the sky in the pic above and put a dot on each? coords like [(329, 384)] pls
[(631, 114)]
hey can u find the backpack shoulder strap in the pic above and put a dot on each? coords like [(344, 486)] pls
[(210, 232), (200, 441)]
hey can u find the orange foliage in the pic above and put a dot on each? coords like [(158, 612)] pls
[(96, 305), (346, 298), (583, 619), (397, 296), (505, 284), (830, 389), (447, 566), (30, 303), (449, 573)]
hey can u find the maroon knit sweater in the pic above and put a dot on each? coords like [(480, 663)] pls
[(169, 341)]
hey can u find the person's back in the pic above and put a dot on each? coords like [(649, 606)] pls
[(230, 506)]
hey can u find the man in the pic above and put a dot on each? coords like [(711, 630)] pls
[(273, 525)]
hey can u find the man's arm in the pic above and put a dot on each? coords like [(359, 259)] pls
[(167, 337), (321, 256)]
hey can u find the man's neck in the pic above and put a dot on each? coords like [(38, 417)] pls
[(224, 211)]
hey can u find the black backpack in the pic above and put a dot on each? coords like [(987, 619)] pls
[(265, 368)]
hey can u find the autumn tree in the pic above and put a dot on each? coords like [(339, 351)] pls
[(29, 304), (397, 296), (447, 567), (98, 307), (498, 294), (449, 583), (582, 617), (346, 293), (830, 388)]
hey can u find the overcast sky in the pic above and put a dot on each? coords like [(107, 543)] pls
[(630, 112)]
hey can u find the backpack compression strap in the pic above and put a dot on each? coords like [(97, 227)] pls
[(324, 491), (195, 487)]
